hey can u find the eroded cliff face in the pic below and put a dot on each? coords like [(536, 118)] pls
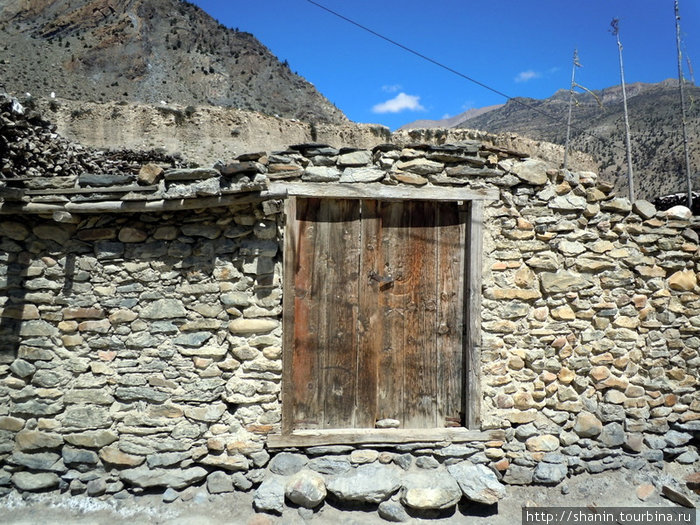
[(205, 133)]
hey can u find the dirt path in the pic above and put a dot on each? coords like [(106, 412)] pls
[(612, 489)]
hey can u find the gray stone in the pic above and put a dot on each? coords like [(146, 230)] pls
[(286, 463), (523, 432), (655, 442), (549, 473), (565, 281), (170, 495), (518, 475), (190, 174), (688, 457), (33, 482), (38, 407), (613, 435), (22, 368), (355, 158), (208, 231), (75, 456), (404, 461), (393, 511), (37, 328), (568, 203), (331, 465), (420, 166), (425, 491), (677, 439), (38, 461), (554, 457), (321, 174), (140, 393), (219, 482), (36, 440), (96, 487), (166, 459), (616, 205), (645, 209), (163, 309), (240, 481), (653, 455), (371, 483), (195, 339), (306, 489), (681, 213), (270, 495), (104, 179), (531, 171), (427, 462), (455, 451), (146, 477), (478, 482), (351, 175)]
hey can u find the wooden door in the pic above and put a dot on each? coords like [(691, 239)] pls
[(374, 314)]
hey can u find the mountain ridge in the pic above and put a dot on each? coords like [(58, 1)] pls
[(147, 51), (655, 122)]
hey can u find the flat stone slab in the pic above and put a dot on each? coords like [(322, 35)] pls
[(477, 482), (146, 477), (366, 484), (434, 490)]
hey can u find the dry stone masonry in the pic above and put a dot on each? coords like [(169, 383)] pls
[(141, 333)]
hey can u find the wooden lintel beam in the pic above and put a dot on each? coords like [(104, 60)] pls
[(312, 438), (378, 191)]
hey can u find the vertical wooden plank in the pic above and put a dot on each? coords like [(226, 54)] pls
[(420, 309), (451, 231), (370, 318), (472, 403), (390, 309), (340, 290), (307, 330), (291, 234)]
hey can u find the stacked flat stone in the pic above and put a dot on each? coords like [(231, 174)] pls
[(143, 350), (30, 147)]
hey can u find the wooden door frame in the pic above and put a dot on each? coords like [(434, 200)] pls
[(471, 315)]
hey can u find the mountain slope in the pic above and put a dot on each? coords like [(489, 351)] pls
[(654, 115), (449, 122), (146, 51)]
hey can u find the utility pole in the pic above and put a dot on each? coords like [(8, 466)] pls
[(681, 86), (630, 177), (571, 103)]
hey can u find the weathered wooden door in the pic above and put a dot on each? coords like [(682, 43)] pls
[(375, 322)]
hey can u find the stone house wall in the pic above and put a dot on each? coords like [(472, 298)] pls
[(143, 349)]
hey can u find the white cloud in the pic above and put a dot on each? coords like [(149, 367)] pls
[(392, 88), (400, 102), (446, 115), (524, 76)]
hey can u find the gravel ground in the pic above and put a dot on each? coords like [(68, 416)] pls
[(612, 489)]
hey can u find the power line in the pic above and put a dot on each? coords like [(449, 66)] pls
[(460, 74)]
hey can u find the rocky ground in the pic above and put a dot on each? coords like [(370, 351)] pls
[(196, 507)]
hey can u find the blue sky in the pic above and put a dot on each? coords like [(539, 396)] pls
[(519, 47)]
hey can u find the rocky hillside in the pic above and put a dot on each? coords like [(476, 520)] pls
[(654, 112), (146, 51), (654, 115)]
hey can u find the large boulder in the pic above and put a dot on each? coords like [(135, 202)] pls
[(478, 482), (366, 484)]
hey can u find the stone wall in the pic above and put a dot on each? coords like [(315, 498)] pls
[(142, 351)]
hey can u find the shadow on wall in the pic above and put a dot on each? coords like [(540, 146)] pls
[(14, 307)]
